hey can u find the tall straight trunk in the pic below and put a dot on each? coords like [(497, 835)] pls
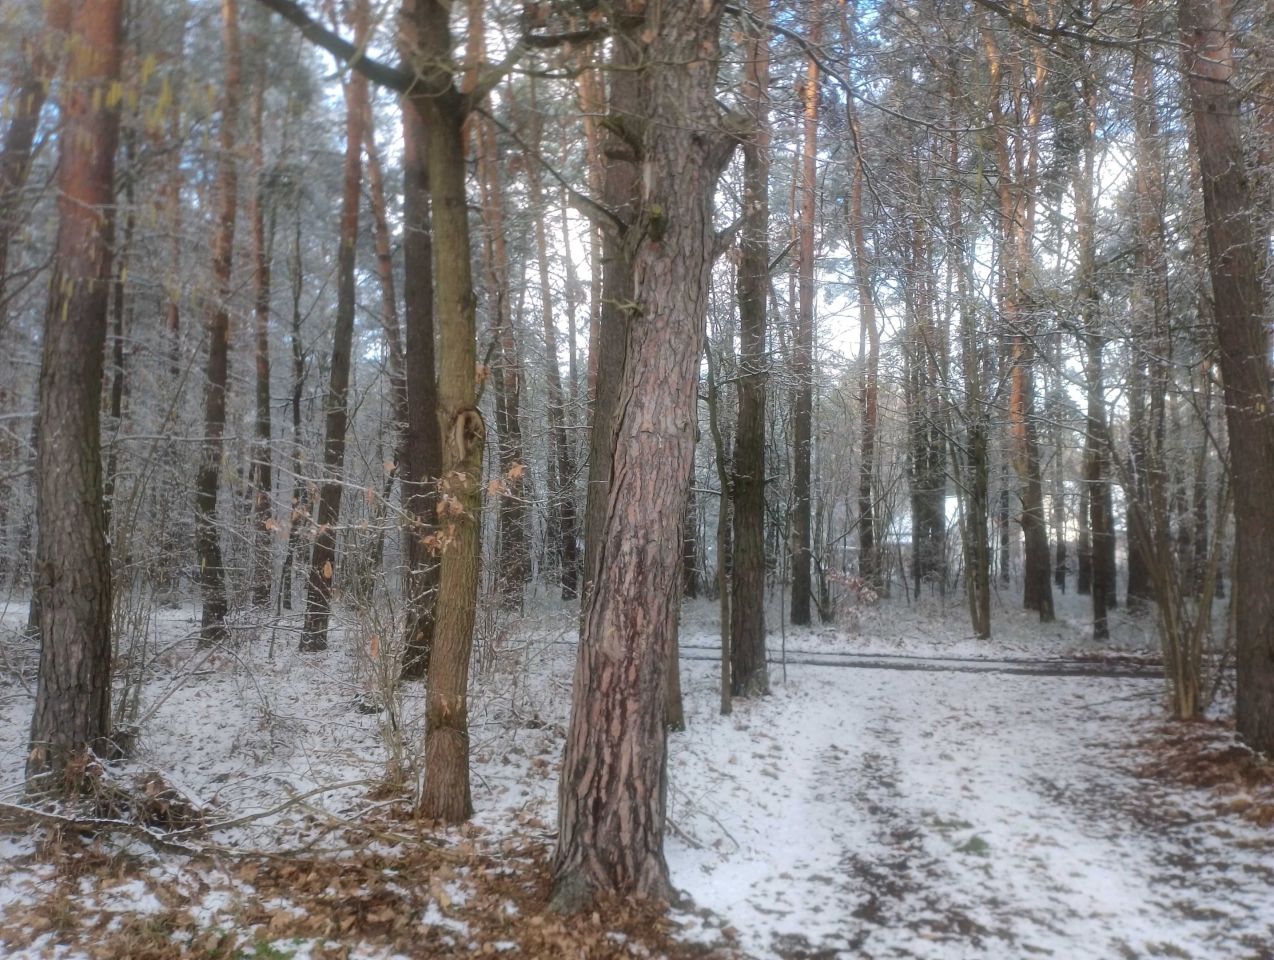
[(422, 443), (608, 345), (803, 354), (73, 693), (1083, 545), (1236, 260), (613, 784), (261, 474), (319, 582), (868, 558), (561, 470), (1150, 341), (389, 323), (749, 675), (442, 111), (395, 361), (1016, 183), (126, 201), (977, 494), (207, 486), (1100, 512), (513, 553), (300, 496)]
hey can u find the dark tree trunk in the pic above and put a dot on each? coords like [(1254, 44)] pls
[(422, 445), (207, 487), (803, 353), (299, 504), (73, 695), (613, 784), (1236, 260), (261, 474), (749, 675), (690, 542), (319, 582)]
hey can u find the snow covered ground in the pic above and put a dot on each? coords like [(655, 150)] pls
[(853, 813)]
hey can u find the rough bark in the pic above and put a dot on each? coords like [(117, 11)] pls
[(72, 706), (612, 798), (749, 674), (1235, 258)]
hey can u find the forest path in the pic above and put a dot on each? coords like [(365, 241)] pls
[(881, 813)]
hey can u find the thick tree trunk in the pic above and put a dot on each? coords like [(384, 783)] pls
[(319, 582), (208, 484), (749, 675), (73, 695), (1236, 259), (612, 796)]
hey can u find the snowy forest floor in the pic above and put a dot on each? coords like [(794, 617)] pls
[(876, 812)]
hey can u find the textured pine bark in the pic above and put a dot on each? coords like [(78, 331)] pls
[(749, 675), (319, 582), (1235, 256), (611, 802), (208, 483), (73, 695)]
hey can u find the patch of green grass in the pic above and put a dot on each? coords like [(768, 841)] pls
[(975, 845), (265, 950)]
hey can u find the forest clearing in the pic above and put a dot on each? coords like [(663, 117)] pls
[(637, 478)]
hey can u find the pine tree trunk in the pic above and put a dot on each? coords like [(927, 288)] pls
[(803, 359), (613, 784), (208, 484), (1235, 253), (319, 582), (73, 694), (749, 675)]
